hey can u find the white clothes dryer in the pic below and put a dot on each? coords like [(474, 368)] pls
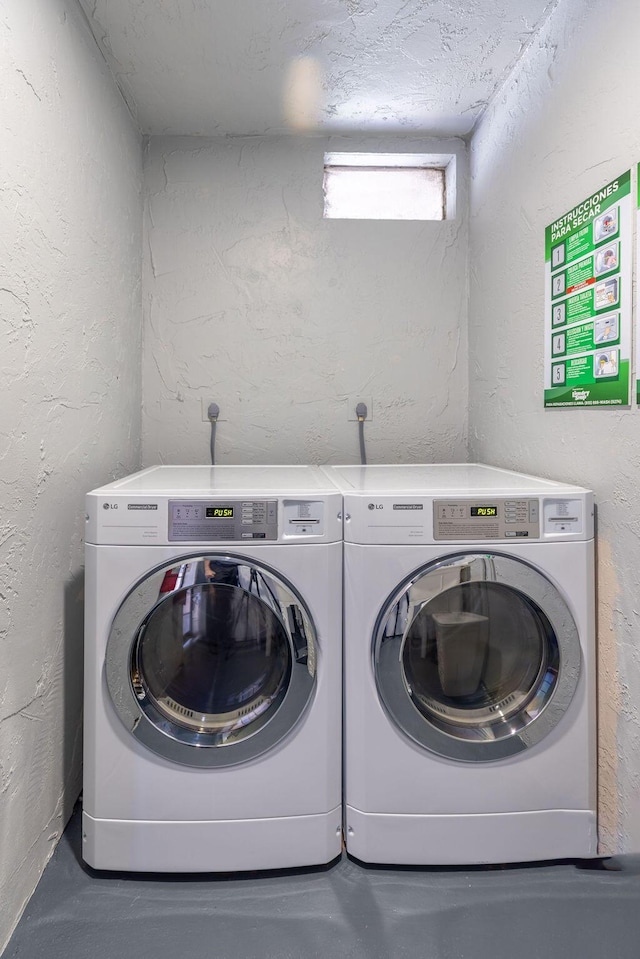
[(213, 670), (470, 722)]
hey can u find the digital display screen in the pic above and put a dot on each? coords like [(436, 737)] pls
[(219, 512), (484, 510)]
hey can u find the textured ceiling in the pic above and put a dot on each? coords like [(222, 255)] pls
[(214, 67)]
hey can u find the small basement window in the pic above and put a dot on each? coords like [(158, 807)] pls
[(389, 186)]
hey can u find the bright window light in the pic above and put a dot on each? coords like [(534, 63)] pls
[(385, 186)]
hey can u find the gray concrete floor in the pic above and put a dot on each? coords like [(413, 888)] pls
[(560, 910)]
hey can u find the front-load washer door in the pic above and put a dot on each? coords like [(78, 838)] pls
[(476, 656), (211, 660)]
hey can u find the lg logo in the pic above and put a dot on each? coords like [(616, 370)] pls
[(109, 505), (376, 506)]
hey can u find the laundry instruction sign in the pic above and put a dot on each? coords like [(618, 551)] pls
[(588, 257)]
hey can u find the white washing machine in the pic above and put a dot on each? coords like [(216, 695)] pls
[(213, 670), (470, 720)]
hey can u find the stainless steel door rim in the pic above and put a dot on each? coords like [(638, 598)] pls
[(476, 656), (211, 659)]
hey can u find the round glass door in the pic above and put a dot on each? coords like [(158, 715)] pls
[(476, 657), (211, 661)]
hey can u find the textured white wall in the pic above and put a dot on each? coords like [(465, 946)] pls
[(219, 69), (70, 317), (566, 123), (251, 299)]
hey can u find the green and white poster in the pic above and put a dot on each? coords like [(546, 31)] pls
[(588, 260)]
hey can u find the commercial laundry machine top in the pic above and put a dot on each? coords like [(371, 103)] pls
[(213, 659), (470, 721)]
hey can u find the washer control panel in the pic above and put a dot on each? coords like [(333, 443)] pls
[(213, 521), (486, 518)]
